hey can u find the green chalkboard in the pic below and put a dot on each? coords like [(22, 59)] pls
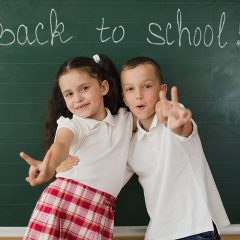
[(196, 42)]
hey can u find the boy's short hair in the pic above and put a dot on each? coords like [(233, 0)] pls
[(134, 62)]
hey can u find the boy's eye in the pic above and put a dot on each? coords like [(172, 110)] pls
[(147, 86)]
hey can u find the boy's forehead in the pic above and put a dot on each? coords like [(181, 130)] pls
[(143, 71)]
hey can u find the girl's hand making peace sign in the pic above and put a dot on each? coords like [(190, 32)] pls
[(172, 115), (38, 170)]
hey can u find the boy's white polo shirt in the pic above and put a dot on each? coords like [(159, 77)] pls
[(102, 148), (180, 194)]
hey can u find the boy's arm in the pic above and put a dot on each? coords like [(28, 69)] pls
[(43, 171), (67, 164)]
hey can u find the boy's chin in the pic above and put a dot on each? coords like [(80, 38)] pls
[(144, 117)]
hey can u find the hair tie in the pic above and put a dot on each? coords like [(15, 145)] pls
[(96, 58)]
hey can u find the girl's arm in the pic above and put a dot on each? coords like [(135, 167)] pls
[(43, 171)]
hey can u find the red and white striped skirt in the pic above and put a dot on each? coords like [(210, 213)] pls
[(71, 210)]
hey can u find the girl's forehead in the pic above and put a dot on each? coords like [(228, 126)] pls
[(75, 77), (76, 74)]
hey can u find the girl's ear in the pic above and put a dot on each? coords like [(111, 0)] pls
[(104, 87)]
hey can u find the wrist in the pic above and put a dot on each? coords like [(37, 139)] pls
[(188, 129)]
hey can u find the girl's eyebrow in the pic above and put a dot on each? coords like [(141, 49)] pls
[(79, 86), (66, 91)]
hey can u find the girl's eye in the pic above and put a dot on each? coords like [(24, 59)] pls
[(84, 89), (69, 94), (129, 89)]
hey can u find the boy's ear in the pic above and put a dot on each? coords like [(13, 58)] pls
[(164, 88), (104, 87)]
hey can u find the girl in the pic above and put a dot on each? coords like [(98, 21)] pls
[(79, 203)]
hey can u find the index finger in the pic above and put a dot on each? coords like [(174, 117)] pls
[(162, 96), (174, 95), (27, 158)]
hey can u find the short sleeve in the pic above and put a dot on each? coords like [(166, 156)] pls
[(63, 122)]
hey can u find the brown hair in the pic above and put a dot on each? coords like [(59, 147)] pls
[(104, 70), (134, 62)]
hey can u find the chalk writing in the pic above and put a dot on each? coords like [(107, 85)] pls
[(238, 41), (21, 36), (120, 27), (160, 35), (199, 36)]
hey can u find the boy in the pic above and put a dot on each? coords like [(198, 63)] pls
[(180, 194)]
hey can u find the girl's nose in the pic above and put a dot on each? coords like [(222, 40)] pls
[(79, 97)]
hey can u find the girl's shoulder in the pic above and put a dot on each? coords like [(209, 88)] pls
[(63, 120), (77, 127), (123, 116), (71, 123)]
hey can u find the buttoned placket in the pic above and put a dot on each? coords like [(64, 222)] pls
[(107, 131)]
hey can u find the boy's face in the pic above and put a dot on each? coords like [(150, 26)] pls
[(141, 88)]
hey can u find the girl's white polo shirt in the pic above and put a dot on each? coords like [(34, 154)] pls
[(102, 148), (180, 194)]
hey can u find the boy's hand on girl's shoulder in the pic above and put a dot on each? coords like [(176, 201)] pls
[(172, 115), (39, 171), (67, 164)]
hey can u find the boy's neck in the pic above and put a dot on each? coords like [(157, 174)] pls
[(146, 123)]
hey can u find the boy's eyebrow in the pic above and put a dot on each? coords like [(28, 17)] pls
[(124, 84), (145, 80), (148, 79)]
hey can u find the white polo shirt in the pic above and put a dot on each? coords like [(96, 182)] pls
[(180, 194), (102, 147)]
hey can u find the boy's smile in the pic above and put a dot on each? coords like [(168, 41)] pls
[(141, 88)]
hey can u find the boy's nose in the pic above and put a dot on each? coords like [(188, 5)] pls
[(139, 95)]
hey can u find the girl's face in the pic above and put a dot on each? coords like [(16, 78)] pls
[(83, 94), (141, 88)]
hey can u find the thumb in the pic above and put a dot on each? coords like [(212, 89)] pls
[(47, 158)]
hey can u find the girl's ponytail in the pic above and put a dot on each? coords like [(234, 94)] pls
[(113, 100)]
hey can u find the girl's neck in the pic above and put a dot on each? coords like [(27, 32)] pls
[(101, 115)]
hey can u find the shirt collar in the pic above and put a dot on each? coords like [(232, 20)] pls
[(141, 132), (92, 122)]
